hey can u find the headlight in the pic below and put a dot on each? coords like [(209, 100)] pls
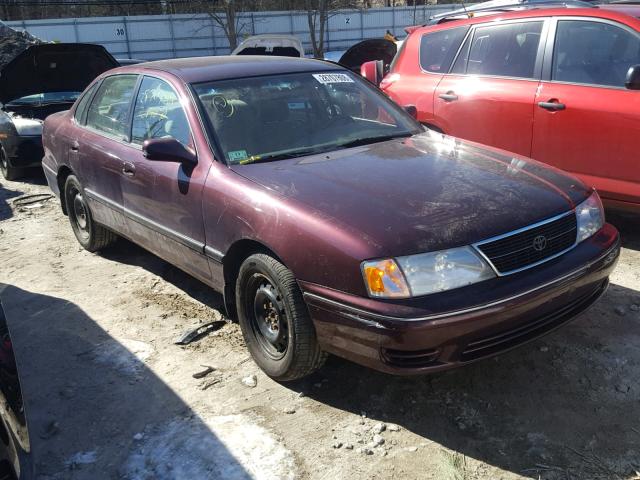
[(425, 273), (589, 216)]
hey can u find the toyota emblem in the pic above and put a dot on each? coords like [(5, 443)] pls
[(540, 243)]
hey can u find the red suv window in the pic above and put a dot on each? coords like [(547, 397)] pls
[(438, 49), (506, 50), (594, 53)]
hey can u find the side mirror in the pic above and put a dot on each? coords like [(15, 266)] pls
[(373, 71), (168, 150), (411, 110), (632, 81)]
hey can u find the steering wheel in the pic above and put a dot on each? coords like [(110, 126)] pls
[(222, 105)]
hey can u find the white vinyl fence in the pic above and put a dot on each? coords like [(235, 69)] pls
[(151, 37)]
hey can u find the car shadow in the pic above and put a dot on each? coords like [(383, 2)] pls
[(629, 226), (124, 251), (95, 409), (565, 405)]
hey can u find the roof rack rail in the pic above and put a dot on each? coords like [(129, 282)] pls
[(505, 6)]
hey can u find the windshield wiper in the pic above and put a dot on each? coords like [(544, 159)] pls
[(369, 140), (279, 156)]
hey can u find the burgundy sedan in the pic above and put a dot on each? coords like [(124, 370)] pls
[(329, 218)]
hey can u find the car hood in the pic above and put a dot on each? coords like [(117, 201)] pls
[(368, 50), (423, 193), (53, 67)]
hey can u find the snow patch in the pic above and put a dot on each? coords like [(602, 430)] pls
[(127, 356), (82, 458), (232, 447)]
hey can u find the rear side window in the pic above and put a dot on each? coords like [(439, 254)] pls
[(593, 53), (81, 109), (109, 110), (437, 49), (158, 113), (504, 50)]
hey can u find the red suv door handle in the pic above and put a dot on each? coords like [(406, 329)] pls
[(450, 96), (552, 105), (75, 146), (129, 169)]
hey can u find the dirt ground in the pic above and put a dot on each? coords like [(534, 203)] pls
[(109, 395)]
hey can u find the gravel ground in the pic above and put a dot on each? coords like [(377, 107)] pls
[(109, 394)]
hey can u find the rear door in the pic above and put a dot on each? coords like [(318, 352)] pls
[(96, 154), (488, 95), (163, 199), (585, 121), (419, 66)]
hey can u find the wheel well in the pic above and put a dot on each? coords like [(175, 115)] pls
[(231, 262), (63, 173)]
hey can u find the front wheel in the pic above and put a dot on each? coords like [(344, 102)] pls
[(9, 172), (275, 321), (91, 235)]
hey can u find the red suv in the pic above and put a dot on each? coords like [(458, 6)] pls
[(559, 85)]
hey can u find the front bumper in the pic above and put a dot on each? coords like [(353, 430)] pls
[(25, 151), (442, 331)]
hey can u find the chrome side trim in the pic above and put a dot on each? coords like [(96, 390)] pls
[(152, 225), (520, 230), (355, 312)]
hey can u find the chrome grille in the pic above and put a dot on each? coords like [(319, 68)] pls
[(530, 246)]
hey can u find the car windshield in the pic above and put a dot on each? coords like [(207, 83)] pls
[(275, 117), (49, 97)]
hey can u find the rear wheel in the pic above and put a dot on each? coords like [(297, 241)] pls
[(275, 321), (9, 172), (91, 235)]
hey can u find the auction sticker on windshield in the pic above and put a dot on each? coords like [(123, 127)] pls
[(325, 78)]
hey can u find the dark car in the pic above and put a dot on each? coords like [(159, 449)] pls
[(329, 218), (15, 447), (42, 80)]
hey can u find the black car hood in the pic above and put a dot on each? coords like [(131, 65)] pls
[(53, 67), (367, 50)]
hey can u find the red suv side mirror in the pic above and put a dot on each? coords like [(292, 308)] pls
[(632, 81), (373, 71)]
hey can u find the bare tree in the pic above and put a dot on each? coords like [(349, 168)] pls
[(318, 14), (227, 15)]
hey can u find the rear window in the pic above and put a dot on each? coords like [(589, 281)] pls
[(438, 49)]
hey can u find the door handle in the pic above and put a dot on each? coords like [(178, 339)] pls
[(129, 169), (450, 96), (75, 146), (552, 105)]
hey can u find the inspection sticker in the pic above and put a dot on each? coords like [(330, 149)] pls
[(237, 155), (325, 78)]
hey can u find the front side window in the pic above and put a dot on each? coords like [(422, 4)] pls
[(437, 49), (508, 50), (276, 117), (158, 113), (593, 53), (109, 110)]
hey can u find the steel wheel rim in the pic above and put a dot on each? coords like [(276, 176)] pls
[(80, 213), (268, 318)]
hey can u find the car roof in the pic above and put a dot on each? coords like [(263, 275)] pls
[(533, 13), (205, 69)]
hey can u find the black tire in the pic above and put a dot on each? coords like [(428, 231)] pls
[(91, 235), (275, 321), (9, 172)]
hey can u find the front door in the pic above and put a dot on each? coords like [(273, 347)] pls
[(488, 96), (163, 199), (585, 121)]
